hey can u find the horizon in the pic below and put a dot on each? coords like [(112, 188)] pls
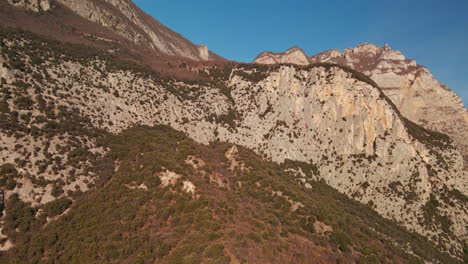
[(403, 25)]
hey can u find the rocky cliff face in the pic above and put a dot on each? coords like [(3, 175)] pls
[(332, 118), (127, 20), (292, 56), (33, 5), (411, 87)]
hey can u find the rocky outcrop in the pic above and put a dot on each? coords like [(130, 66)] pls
[(33, 5), (292, 56), (411, 87), (203, 52)]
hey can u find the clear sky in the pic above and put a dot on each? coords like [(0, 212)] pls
[(433, 32)]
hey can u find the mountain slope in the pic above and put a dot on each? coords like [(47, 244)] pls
[(162, 197), (333, 118), (126, 20), (411, 87)]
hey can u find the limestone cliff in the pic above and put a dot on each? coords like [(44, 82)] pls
[(411, 87), (293, 56), (333, 118)]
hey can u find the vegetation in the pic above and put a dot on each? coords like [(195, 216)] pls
[(8, 174), (57, 207), (250, 217), (427, 136), (247, 217)]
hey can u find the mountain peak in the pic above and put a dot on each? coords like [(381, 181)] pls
[(294, 55), (132, 23), (361, 53), (367, 47), (326, 56), (124, 19), (295, 49), (374, 51)]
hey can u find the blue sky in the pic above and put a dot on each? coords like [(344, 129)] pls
[(433, 32)]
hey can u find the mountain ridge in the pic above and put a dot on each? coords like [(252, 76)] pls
[(279, 136), (321, 115), (128, 21)]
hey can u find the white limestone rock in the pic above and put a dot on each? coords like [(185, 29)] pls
[(204, 52), (292, 56), (411, 87)]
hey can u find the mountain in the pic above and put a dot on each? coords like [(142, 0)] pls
[(294, 56), (126, 20), (411, 87), (58, 100), (106, 159)]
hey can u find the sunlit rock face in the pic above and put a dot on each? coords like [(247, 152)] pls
[(411, 87), (130, 22), (292, 56), (33, 5)]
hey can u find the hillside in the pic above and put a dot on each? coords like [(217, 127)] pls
[(160, 196), (59, 101)]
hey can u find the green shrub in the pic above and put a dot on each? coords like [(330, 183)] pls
[(57, 207), (215, 251), (341, 239), (24, 102)]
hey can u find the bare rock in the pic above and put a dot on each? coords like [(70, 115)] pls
[(411, 87), (33, 5), (294, 55)]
